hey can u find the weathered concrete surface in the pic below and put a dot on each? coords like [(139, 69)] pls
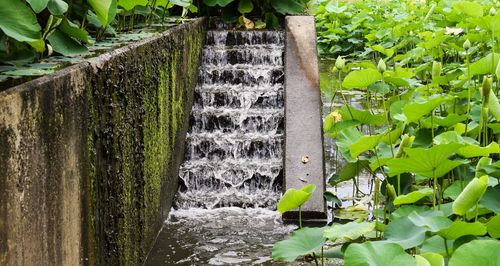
[(89, 156), (303, 126)]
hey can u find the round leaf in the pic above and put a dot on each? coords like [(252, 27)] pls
[(38, 5), (288, 7), (493, 226), (403, 232), (57, 7), (301, 242), (66, 45), (413, 197), (460, 228), (361, 78), (294, 198), (477, 252), (349, 231), (377, 254), (18, 21), (245, 6)]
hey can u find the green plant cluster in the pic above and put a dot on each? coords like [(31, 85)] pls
[(427, 135), (31, 29), (257, 14)]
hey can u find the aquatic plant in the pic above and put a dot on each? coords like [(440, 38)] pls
[(427, 135)]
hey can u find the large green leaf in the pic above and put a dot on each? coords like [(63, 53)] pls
[(350, 170), (433, 221), (361, 78), (288, 7), (415, 110), (38, 5), (130, 4), (245, 6), (18, 21), (345, 138), (74, 31), (493, 226), (491, 199), (435, 244), (477, 252), (470, 9), (57, 7), (302, 242), (362, 116), (349, 231), (448, 121), (377, 254), (494, 105), (294, 198), (459, 228), (402, 231), (426, 161), (471, 194), (222, 3), (66, 45), (406, 210), (484, 65), (366, 143), (470, 151), (413, 197), (434, 259), (104, 9)]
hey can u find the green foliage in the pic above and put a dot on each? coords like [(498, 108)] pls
[(470, 196), (294, 198), (361, 78), (377, 254), (19, 22), (302, 242), (421, 121), (53, 26), (349, 231), (413, 196), (477, 252), (267, 14)]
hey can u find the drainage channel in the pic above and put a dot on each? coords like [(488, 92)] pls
[(232, 174)]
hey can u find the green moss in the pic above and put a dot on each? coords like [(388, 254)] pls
[(137, 107)]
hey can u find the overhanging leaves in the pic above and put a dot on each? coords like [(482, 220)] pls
[(302, 242)]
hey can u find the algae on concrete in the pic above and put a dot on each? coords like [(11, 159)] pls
[(89, 156)]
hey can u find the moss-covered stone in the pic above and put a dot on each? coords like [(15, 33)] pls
[(95, 151)]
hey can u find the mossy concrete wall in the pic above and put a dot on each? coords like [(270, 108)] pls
[(89, 156)]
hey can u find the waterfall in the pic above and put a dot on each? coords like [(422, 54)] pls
[(233, 153)]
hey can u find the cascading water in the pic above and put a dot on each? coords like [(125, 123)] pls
[(231, 178), (234, 145)]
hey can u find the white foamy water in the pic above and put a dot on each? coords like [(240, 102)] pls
[(222, 236), (233, 154)]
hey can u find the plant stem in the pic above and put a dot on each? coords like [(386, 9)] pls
[(468, 90), (434, 190), (315, 259), (322, 257), (300, 217)]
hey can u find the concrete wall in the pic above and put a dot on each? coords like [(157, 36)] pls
[(303, 162), (89, 156)]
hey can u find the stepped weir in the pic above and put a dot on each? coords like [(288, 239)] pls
[(234, 147)]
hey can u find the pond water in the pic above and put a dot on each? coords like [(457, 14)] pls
[(236, 236)]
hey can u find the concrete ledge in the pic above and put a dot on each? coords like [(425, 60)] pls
[(89, 156), (304, 163)]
